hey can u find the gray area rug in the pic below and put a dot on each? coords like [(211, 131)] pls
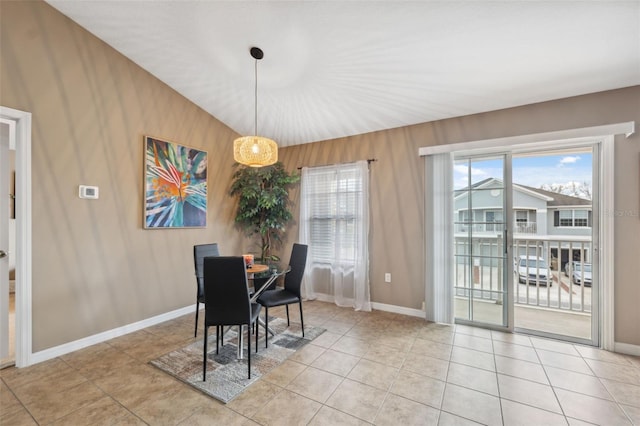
[(226, 374)]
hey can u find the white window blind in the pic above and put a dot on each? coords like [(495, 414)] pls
[(333, 197)]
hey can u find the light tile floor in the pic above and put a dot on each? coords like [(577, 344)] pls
[(367, 368)]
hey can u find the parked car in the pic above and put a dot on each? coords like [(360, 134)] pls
[(534, 270), (578, 271)]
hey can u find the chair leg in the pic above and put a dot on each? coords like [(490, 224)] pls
[(195, 331), (248, 348), (218, 339), (266, 327), (301, 319), (204, 356), (257, 328), (287, 308)]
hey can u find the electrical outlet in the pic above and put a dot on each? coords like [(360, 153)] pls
[(387, 277)]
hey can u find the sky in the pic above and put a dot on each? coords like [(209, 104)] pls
[(533, 171)]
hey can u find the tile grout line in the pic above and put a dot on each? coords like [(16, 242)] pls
[(18, 399), (618, 405), (374, 323), (495, 366)]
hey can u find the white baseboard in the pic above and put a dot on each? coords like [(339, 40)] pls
[(324, 298), (398, 310), (626, 348), (379, 306), (66, 348)]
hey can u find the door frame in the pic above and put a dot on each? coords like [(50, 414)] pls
[(23, 260), (6, 146), (607, 135), (597, 146)]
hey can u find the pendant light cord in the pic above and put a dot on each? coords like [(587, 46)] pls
[(255, 124)]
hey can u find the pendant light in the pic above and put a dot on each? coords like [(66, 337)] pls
[(255, 151)]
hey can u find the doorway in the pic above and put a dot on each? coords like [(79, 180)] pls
[(524, 237), (18, 138), (7, 243), (556, 284)]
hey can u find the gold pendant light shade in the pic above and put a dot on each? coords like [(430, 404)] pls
[(255, 151)]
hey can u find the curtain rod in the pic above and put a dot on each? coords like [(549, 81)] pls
[(370, 160)]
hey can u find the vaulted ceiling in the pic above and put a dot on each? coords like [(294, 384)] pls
[(334, 69)]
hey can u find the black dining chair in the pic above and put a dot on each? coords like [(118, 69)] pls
[(291, 291), (227, 303), (199, 253)]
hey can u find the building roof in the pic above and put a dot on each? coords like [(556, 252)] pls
[(559, 200), (554, 199)]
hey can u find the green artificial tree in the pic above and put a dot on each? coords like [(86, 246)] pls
[(263, 203)]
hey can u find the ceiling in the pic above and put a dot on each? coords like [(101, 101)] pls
[(334, 69)]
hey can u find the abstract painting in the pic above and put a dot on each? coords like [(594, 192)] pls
[(175, 182)]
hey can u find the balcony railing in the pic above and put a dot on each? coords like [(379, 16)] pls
[(519, 227), (525, 228), (480, 269)]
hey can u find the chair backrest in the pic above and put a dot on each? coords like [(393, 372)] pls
[(298, 261), (226, 293), (199, 253)]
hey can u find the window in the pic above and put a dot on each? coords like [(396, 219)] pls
[(522, 217), (525, 222), (572, 218), (491, 217), (333, 198), (566, 217), (463, 221), (580, 218), (334, 222)]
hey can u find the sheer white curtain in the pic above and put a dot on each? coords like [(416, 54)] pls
[(439, 238), (334, 222)]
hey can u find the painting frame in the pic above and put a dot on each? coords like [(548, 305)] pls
[(175, 185)]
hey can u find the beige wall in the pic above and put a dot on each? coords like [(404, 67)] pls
[(397, 189), (96, 269), (94, 266)]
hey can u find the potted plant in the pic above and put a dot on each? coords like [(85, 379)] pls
[(263, 203)]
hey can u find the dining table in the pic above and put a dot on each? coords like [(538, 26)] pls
[(257, 268)]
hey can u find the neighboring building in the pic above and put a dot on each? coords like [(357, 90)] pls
[(543, 221)]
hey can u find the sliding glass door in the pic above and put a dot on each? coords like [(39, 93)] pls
[(555, 243), (481, 245), (525, 247)]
